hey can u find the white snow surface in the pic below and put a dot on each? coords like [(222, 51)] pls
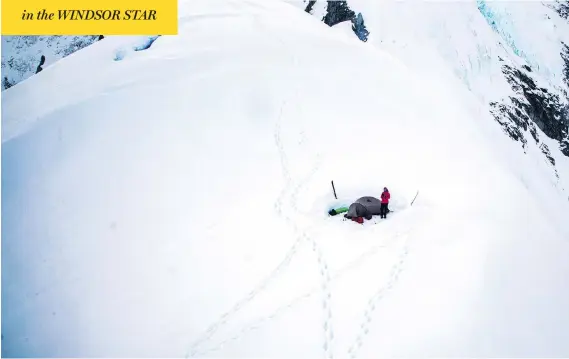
[(174, 203), (538, 45), (458, 35), (318, 8)]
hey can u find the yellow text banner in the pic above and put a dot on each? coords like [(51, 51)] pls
[(89, 17)]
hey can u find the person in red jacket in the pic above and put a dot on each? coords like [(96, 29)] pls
[(385, 196)]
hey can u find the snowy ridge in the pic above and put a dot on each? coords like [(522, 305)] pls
[(483, 44), (21, 55), (172, 201)]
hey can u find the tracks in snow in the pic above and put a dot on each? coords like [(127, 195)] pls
[(292, 218), (212, 329), (257, 323), (289, 212), (394, 274), (303, 232)]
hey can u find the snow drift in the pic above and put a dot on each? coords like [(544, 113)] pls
[(174, 203)]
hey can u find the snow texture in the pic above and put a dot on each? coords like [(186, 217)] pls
[(174, 203), (21, 54)]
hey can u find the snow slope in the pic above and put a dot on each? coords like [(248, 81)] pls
[(21, 55), (539, 45), (511, 55), (172, 202), (475, 40)]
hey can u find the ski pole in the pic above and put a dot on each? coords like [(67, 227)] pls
[(414, 198), (334, 189)]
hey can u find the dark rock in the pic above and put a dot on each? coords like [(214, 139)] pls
[(512, 121), (547, 154), (310, 6), (535, 105), (6, 84), (563, 9), (359, 27), (42, 61), (337, 12), (565, 57)]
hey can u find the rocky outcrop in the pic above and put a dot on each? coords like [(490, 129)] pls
[(22, 54), (530, 108), (565, 57), (309, 7), (337, 12), (563, 9), (42, 61), (359, 27)]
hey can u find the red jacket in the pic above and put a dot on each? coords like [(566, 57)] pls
[(385, 196)]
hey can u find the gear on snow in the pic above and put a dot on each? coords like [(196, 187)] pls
[(366, 207)]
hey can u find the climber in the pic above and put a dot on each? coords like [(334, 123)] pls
[(385, 196)]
